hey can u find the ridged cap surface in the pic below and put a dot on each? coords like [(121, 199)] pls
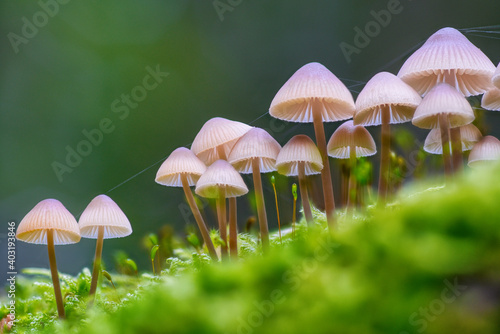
[(349, 135), (491, 99), (181, 161), (488, 149), (469, 134), (221, 175), (496, 77), (300, 148)]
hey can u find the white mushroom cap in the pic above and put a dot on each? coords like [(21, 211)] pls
[(300, 148), (496, 77), (448, 56), (255, 144), (349, 135), (103, 211), (491, 99), (221, 175), (382, 91), (49, 214), (469, 134), (217, 133), (488, 149), (312, 81), (443, 99), (180, 161)]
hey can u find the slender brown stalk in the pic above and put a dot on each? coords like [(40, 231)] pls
[(261, 209), (303, 193), (97, 260), (383, 181), (445, 142), (326, 177), (294, 218), (351, 199), (277, 208), (199, 219), (233, 229), (221, 214), (344, 183), (456, 148), (54, 274)]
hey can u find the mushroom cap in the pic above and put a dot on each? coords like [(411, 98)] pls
[(255, 144), (496, 77), (349, 135), (448, 56), (300, 148), (312, 81), (491, 99), (217, 132), (469, 134), (103, 211), (443, 99), (181, 161), (221, 176), (488, 149), (385, 90), (49, 214)]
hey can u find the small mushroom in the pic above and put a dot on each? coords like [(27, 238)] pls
[(256, 153), (491, 99), (469, 135), (496, 77), (315, 95), (183, 169), (301, 157), (444, 108), (50, 223), (221, 181), (385, 100), (102, 219), (351, 141), (486, 150)]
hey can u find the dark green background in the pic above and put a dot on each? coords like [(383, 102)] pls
[(64, 80)]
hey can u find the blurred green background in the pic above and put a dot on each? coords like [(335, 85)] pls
[(65, 76)]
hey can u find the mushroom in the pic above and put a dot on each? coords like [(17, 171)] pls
[(221, 181), (50, 223), (214, 141), (469, 134), (385, 100), (301, 157), (496, 77), (314, 94), (102, 219), (491, 99), (486, 150), (444, 108), (183, 169), (448, 56), (256, 153), (351, 141)]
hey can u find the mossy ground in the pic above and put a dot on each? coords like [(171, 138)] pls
[(428, 263)]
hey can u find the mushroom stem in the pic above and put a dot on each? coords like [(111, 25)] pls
[(221, 214), (351, 199), (445, 142), (456, 149), (344, 187), (326, 177), (303, 193), (233, 229), (54, 274), (261, 209), (199, 219), (383, 180), (97, 260)]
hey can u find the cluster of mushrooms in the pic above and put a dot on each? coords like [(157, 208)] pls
[(430, 90)]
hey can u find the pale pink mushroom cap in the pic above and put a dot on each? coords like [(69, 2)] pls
[(103, 211), (300, 148), (488, 149), (181, 161), (448, 56), (469, 134), (491, 99), (385, 90), (49, 214), (443, 99), (214, 133), (349, 135), (255, 144), (496, 77), (312, 81), (221, 175)]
